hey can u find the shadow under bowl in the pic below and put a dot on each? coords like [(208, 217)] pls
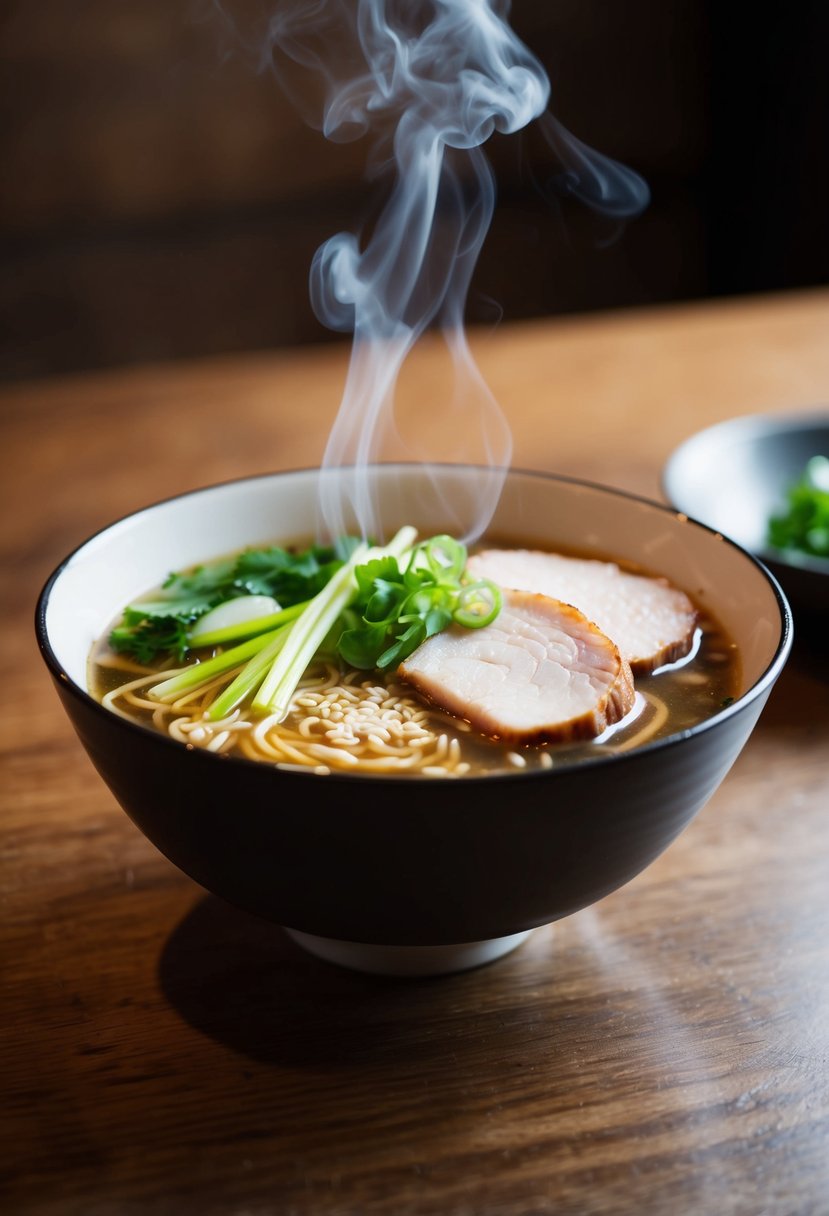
[(734, 476), (419, 874)]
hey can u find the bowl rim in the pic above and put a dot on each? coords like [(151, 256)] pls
[(200, 755), (749, 426)]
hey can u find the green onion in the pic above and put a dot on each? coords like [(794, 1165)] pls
[(248, 629), (478, 604), (249, 678), (308, 632), (311, 628), (445, 557), (201, 673)]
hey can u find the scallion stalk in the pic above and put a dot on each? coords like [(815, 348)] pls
[(311, 628), (200, 673), (250, 677), (249, 629)]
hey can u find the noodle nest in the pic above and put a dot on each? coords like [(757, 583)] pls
[(335, 721)]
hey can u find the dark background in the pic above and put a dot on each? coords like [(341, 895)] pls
[(162, 199)]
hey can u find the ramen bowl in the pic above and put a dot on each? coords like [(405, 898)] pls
[(734, 476), (411, 875)]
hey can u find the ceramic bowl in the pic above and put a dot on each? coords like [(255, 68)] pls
[(734, 476), (410, 875)]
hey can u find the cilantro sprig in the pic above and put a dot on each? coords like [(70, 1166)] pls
[(399, 605), (161, 626)]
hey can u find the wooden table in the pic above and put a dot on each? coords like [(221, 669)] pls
[(663, 1051)]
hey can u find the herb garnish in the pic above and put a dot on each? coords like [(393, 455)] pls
[(374, 608), (804, 526), (160, 626), (399, 606)]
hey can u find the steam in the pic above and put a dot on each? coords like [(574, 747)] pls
[(596, 180), (428, 83)]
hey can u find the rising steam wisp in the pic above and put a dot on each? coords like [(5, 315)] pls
[(428, 82)]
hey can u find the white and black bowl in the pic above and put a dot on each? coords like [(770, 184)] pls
[(423, 874)]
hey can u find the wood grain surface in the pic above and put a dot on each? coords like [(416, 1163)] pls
[(662, 1051)]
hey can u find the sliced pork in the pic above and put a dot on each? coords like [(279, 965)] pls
[(540, 673), (649, 620)]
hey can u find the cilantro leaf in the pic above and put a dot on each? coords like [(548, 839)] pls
[(150, 637), (289, 577)]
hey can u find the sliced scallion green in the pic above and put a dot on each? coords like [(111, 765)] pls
[(478, 604)]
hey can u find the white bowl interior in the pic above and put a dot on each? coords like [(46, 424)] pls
[(134, 555)]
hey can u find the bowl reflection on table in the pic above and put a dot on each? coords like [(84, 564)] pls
[(734, 476), (418, 874)]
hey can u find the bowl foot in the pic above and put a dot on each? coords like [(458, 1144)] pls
[(408, 960)]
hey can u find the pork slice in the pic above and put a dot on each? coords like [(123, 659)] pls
[(540, 673), (650, 621)]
